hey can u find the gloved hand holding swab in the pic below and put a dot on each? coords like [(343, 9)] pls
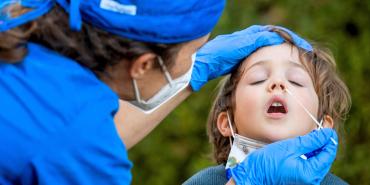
[(319, 124)]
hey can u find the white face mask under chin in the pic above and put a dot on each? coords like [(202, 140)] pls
[(166, 92), (241, 147)]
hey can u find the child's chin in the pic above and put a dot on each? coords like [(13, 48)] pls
[(273, 137), (277, 133)]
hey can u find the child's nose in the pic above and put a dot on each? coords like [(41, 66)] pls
[(276, 86)]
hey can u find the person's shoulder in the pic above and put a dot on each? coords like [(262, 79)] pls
[(55, 115), (333, 179), (212, 175), (62, 78)]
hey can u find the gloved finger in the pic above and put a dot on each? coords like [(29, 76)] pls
[(259, 40), (226, 45), (300, 42), (241, 49), (250, 30), (307, 143), (323, 160), (314, 140), (239, 174), (238, 49)]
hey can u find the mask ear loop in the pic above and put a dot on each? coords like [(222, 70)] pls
[(166, 74), (165, 71), (231, 127), (136, 90)]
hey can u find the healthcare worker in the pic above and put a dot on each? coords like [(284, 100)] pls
[(83, 81)]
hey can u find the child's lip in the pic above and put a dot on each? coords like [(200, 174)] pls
[(276, 115)]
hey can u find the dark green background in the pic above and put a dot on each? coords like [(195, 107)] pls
[(179, 146)]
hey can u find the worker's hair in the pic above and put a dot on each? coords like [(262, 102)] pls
[(91, 47), (334, 97)]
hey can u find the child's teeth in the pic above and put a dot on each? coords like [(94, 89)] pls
[(276, 104)]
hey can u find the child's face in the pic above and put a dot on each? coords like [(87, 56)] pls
[(264, 111)]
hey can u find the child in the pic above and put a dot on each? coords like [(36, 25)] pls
[(274, 94)]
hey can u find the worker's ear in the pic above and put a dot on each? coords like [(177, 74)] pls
[(328, 122), (223, 124), (142, 65)]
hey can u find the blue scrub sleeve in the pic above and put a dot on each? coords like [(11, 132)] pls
[(87, 152)]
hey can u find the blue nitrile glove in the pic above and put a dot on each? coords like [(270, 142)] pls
[(281, 162), (223, 54)]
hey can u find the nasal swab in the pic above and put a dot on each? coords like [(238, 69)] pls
[(313, 118), (304, 108)]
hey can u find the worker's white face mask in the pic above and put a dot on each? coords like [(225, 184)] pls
[(240, 148), (165, 93)]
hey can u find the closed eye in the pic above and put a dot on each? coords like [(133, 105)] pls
[(295, 83), (258, 82)]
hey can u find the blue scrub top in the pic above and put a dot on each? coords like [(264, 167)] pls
[(56, 124)]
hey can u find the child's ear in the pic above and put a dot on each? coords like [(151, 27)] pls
[(328, 122), (223, 124)]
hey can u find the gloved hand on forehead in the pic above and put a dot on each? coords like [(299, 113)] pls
[(223, 54), (281, 162)]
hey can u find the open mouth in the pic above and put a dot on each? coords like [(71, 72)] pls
[(277, 106)]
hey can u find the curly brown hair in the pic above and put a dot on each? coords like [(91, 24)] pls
[(333, 94), (91, 47)]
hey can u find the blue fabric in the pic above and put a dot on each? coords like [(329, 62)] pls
[(57, 124), (40, 7), (158, 21), (224, 53)]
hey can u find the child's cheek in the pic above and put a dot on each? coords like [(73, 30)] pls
[(311, 101)]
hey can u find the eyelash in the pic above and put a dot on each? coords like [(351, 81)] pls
[(295, 83), (292, 82), (258, 82)]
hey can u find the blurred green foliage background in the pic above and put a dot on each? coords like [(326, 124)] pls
[(179, 146)]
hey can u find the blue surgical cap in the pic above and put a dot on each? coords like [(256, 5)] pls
[(157, 21)]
